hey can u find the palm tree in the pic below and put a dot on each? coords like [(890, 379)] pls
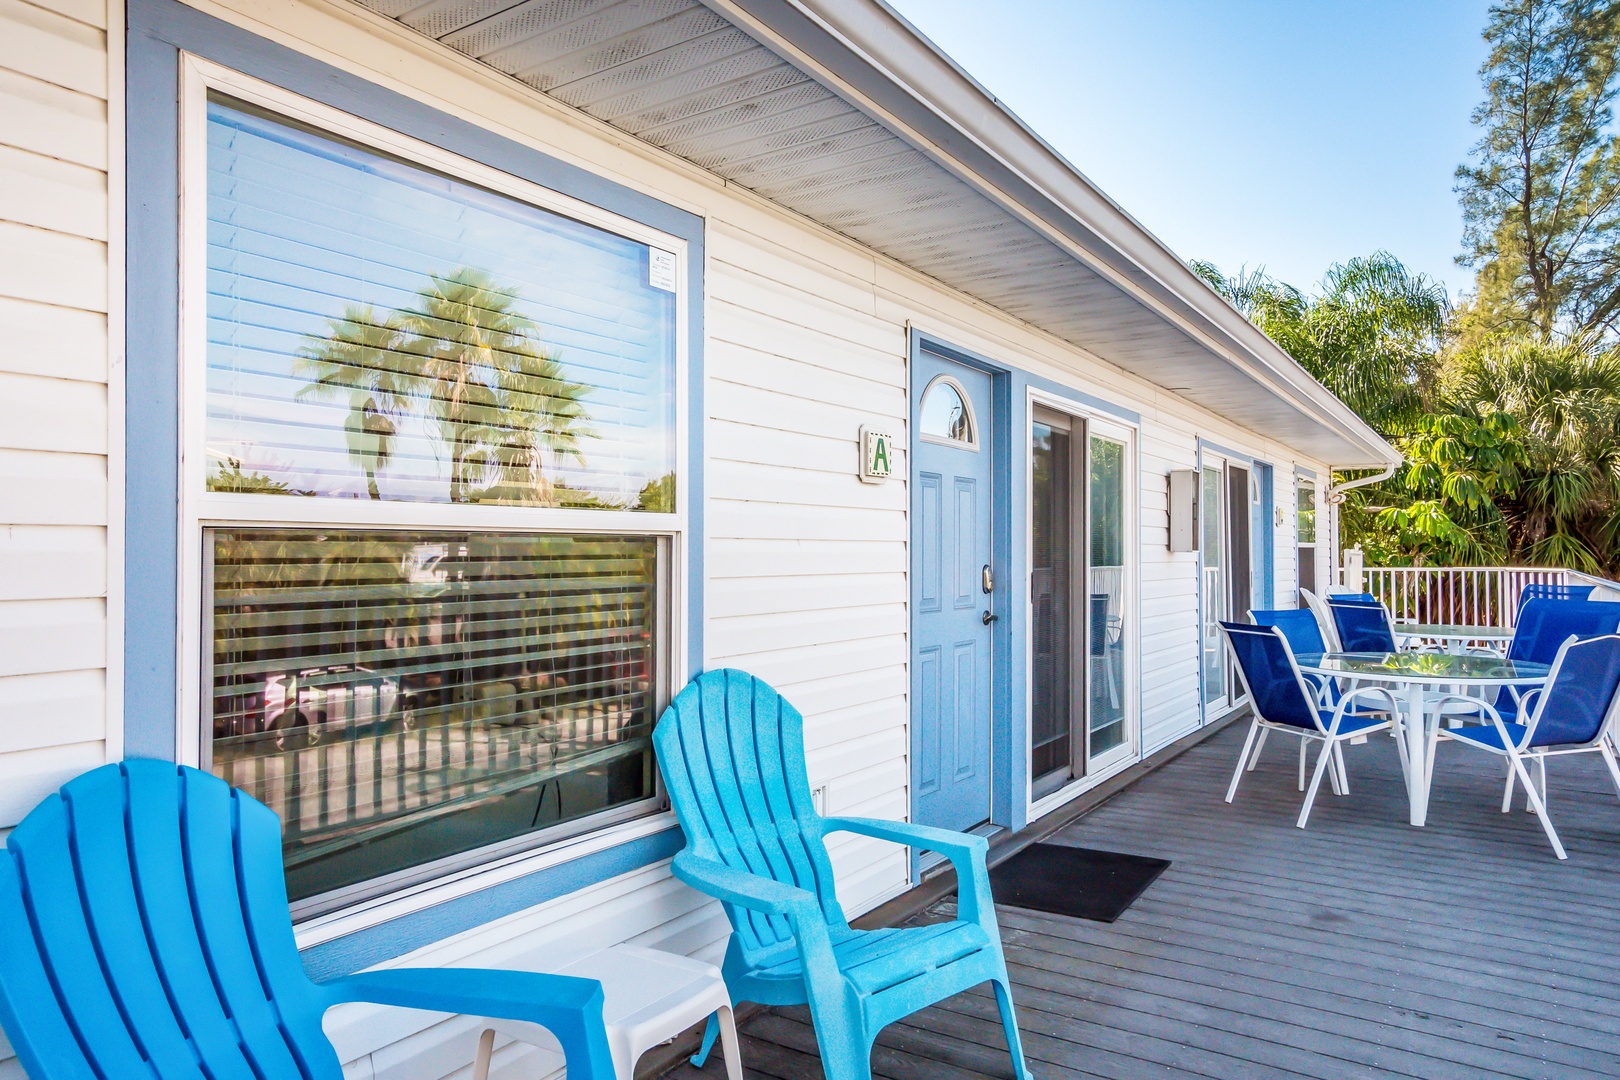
[(1371, 335), (1566, 398), (502, 403), (361, 356)]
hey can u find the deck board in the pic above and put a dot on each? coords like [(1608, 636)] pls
[(1359, 947)]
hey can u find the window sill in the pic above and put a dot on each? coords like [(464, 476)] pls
[(383, 909)]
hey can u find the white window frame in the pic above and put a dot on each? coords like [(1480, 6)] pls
[(1111, 426), (1302, 479), (200, 510)]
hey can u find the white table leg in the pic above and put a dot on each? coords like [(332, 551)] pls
[(1417, 753)]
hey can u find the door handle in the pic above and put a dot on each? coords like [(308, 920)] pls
[(987, 618)]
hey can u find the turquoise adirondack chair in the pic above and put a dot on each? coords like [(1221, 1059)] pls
[(144, 932), (732, 753)]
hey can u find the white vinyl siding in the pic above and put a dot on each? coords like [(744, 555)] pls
[(806, 565), (1170, 687), (805, 579), (53, 378)]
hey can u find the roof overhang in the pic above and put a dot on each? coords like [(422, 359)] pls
[(841, 111)]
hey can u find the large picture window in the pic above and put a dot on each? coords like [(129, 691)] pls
[(399, 697), (433, 461), (377, 330)]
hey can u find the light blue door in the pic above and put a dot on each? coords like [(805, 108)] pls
[(954, 594)]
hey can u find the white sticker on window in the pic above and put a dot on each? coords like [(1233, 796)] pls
[(661, 269)]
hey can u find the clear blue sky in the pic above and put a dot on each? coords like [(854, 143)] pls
[(1285, 133)]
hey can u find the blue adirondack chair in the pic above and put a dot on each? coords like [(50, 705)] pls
[(732, 753), (144, 933)]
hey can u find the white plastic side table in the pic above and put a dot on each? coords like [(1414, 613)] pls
[(648, 997)]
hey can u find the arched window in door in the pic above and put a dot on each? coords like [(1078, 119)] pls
[(946, 416)]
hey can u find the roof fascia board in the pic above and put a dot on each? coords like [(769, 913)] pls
[(872, 57)]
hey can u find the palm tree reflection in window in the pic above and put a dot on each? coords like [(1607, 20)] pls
[(363, 356), (499, 403)]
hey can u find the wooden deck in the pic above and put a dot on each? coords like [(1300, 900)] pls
[(1360, 947)]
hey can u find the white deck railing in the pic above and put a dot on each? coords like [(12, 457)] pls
[(1470, 595)]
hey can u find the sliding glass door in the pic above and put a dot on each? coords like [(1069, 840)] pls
[(1214, 600), (1234, 565), (1081, 715), (1106, 730), (1056, 756)]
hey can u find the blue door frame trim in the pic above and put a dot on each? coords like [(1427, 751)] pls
[(1006, 695), (1083, 399), (158, 30), (1010, 412)]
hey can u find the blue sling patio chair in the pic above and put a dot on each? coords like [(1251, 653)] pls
[(1538, 591), (144, 932), (1283, 701), (1298, 625), (731, 750), (1324, 619), (1573, 713), (1363, 625), (1304, 636), (1541, 630)]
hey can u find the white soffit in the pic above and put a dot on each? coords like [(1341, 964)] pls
[(872, 132)]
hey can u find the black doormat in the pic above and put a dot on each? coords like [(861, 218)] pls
[(1082, 882)]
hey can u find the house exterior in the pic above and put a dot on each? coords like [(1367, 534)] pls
[(406, 398)]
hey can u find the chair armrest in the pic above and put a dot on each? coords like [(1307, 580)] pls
[(1323, 684), (570, 1008), (1487, 710), (966, 852), (924, 837), (745, 890), (769, 897), (1351, 696)]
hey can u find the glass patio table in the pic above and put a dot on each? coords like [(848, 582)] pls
[(1427, 680), (1457, 635)]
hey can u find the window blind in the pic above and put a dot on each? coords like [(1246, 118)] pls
[(380, 330), (402, 697)]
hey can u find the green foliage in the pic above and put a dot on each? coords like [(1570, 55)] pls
[(1458, 468), (1507, 408), (1566, 397), (1541, 198), (1512, 444), (1370, 335)]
